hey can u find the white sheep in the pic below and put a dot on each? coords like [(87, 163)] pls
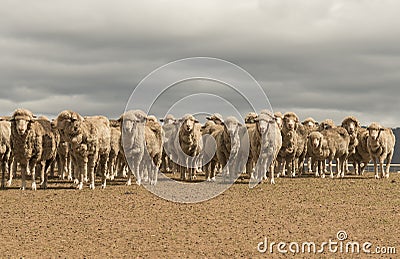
[(33, 144), (381, 142), (5, 150), (90, 144)]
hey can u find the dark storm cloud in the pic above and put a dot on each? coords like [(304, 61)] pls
[(317, 58)]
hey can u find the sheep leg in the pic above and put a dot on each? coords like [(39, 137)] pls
[(12, 172), (388, 161), (283, 168), (338, 168), (80, 168), (33, 175), (3, 174), (376, 169), (43, 175), (103, 169), (24, 168), (271, 172), (91, 165), (331, 168)]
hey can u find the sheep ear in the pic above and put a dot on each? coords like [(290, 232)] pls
[(256, 120), (196, 121), (161, 120), (208, 118), (240, 124), (381, 129)]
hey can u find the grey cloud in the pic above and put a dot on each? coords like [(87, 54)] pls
[(317, 58)]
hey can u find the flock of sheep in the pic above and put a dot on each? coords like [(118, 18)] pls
[(138, 145)]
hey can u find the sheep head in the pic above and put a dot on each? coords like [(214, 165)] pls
[(310, 123), (188, 123), (374, 130), (131, 119), (263, 121), (351, 124), (290, 121), (250, 117), (169, 119), (327, 124), (21, 120), (216, 118), (231, 125), (315, 139), (68, 122)]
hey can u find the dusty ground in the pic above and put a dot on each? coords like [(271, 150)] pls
[(129, 221)]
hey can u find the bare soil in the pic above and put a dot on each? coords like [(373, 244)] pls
[(128, 221)]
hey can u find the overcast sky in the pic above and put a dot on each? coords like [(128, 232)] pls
[(325, 59)]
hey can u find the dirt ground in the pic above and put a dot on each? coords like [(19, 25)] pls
[(129, 221)]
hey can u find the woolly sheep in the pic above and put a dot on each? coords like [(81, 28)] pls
[(90, 144), (133, 141), (265, 143), (5, 150), (331, 144), (33, 144), (154, 149), (361, 157), (381, 142), (191, 143), (227, 148), (352, 125)]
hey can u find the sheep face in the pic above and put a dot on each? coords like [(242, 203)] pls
[(168, 121), (374, 131), (289, 122), (21, 125), (315, 139), (250, 117), (188, 123), (128, 125), (231, 126)]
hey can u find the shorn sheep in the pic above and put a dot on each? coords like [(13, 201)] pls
[(5, 150), (33, 144), (90, 144), (380, 143)]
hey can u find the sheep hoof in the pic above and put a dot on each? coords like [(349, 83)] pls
[(376, 176), (138, 182), (387, 175), (103, 186), (112, 177), (33, 186), (91, 186), (129, 182), (79, 186), (86, 180), (8, 183), (22, 188), (322, 175), (272, 181), (331, 175), (76, 181), (213, 179)]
